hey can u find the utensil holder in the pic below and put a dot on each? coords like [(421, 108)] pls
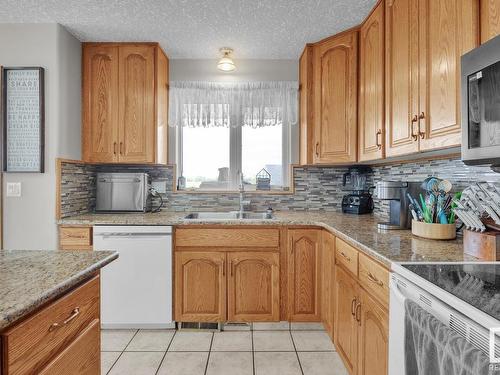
[(434, 231)]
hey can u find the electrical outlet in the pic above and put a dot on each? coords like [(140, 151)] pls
[(159, 186), (13, 189)]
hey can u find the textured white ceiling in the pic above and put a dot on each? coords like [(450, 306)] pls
[(256, 29)]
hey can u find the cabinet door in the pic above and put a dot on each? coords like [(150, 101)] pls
[(371, 86), (346, 326), (306, 105), (137, 120), (304, 275), (82, 356), (335, 99), (253, 286), (100, 104), (448, 29), (200, 287), (401, 75), (490, 19), (327, 274), (373, 337)]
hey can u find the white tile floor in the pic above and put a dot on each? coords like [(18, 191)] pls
[(269, 349)]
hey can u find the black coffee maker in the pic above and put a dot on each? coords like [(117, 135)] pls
[(360, 200)]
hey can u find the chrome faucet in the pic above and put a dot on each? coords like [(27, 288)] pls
[(242, 191)]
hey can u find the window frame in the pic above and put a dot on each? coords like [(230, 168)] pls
[(235, 159)]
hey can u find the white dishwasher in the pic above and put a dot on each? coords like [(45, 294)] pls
[(136, 289)]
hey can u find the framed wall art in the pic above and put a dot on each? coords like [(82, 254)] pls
[(23, 119)]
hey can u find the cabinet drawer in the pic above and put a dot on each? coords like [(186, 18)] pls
[(237, 237), (374, 278), (75, 237), (81, 357), (346, 255), (29, 345)]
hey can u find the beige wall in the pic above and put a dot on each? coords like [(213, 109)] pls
[(29, 221)]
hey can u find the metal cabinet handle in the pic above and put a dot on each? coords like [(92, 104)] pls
[(413, 122), (379, 144), (73, 315), (373, 279), (421, 133), (358, 313), (114, 148), (353, 304), (121, 148), (317, 149), (223, 268), (345, 256)]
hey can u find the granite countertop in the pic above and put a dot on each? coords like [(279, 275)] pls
[(29, 278), (358, 230)]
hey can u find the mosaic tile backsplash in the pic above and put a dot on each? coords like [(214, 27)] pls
[(316, 188)]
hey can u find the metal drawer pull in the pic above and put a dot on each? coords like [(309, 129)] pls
[(373, 279), (73, 315), (353, 303), (358, 313), (345, 256)]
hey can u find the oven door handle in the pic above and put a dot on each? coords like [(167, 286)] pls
[(395, 288)]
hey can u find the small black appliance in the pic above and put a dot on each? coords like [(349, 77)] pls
[(360, 200)]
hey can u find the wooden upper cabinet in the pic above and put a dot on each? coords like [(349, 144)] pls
[(346, 325), (200, 287), (304, 274), (335, 99), (401, 76), (136, 117), (371, 86), (448, 29), (125, 102), (373, 337), (253, 286), (424, 42), (100, 103), (306, 113), (490, 19)]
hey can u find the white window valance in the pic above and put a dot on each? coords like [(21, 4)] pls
[(255, 104)]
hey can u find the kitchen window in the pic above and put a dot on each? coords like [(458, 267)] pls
[(249, 132)]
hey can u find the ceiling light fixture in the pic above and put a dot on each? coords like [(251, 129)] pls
[(226, 63)]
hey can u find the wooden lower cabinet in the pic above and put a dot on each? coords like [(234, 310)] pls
[(373, 337), (253, 292), (346, 325), (83, 356), (327, 278), (63, 337), (304, 275), (200, 286)]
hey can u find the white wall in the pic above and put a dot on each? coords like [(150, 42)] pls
[(246, 71), (29, 221)]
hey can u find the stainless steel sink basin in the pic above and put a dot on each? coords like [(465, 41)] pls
[(228, 216)]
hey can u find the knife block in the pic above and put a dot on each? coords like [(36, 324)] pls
[(485, 246)]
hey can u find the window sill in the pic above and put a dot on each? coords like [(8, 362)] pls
[(247, 192)]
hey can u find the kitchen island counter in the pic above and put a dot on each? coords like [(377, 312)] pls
[(31, 278)]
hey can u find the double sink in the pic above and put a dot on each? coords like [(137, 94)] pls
[(233, 215)]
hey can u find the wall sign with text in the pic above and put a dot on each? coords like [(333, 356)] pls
[(23, 119)]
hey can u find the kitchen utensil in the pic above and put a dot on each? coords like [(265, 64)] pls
[(444, 186)]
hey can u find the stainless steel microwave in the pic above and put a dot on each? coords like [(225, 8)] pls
[(123, 192), (480, 82)]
